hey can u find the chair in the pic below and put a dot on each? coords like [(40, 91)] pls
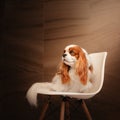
[(99, 66)]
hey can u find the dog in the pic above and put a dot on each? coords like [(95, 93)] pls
[(75, 74)]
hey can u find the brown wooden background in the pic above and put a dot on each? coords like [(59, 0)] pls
[(33, 36)]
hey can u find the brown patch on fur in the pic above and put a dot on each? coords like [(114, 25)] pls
[(74, 51), (91, 68), (63, 71), (81, 66)]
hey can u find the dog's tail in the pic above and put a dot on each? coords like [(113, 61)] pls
[(32, 94), (34, 90)]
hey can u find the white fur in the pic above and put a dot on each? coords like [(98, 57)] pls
[(56, 85)]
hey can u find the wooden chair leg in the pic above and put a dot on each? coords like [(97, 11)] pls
[(67, 110), (62, 112), (86, 110), (45, 107)]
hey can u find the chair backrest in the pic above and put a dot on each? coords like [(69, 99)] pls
[(98, 60)]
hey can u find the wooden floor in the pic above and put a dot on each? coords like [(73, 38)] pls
[(33, 36)]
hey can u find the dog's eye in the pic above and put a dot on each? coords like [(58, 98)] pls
[(72, 52), (64, 51)]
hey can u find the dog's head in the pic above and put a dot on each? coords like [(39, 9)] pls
[(71, 54), (74, 57)]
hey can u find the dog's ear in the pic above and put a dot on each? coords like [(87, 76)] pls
[(81, 67), (63, 71)]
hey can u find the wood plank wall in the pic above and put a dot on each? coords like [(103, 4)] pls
[(34, 34), (24, 43)]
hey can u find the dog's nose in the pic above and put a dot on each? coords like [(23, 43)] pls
[(64, 55)]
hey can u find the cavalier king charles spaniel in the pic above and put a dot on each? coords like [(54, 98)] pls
[(75, 74)]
